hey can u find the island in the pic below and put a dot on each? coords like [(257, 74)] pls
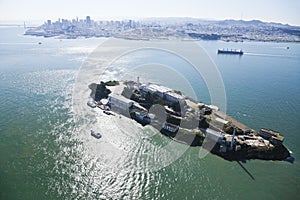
[(186, 120)]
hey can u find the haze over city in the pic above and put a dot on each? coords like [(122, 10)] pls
[(39, 11)]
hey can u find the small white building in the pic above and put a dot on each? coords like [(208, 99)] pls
[(219, 123), (213, 107), (214, 135), (222, 121)]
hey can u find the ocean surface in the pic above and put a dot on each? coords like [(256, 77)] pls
[(46, 151)]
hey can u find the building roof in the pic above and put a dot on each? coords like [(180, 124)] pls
[(213, 107), (175, 95), (221, 120), (159, 88), (120, 98), (273, 133), (236, 123), (104, 101)]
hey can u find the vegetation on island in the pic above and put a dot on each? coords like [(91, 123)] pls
[(112, 83)]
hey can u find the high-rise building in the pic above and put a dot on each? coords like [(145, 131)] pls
[(88, 20), (48, 22)]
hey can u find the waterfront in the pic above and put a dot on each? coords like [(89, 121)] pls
[(45, 155)]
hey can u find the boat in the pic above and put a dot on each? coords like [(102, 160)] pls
[(40, 43), (231, 51), (91, 103), (96, 135)]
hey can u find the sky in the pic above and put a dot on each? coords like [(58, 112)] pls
[(283, 11)]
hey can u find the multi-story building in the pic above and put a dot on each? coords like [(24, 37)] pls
[(273, 136)]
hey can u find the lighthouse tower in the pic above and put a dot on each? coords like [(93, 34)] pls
[(138, 83), (232, 139)]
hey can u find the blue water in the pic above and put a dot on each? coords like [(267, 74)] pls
[(45, 154)]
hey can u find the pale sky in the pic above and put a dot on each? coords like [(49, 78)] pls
[(284, 11)]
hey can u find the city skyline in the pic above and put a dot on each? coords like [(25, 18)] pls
[(165, 28), (285, 12)]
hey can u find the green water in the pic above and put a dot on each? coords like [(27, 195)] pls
[(45, 153)]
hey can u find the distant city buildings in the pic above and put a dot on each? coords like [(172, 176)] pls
[(166, 29), (88, 20)]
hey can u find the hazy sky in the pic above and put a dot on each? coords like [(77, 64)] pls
[(284, 11)]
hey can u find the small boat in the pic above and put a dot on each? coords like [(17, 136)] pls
[(96, 135), (226, 51), (40, 43), (91, 103)]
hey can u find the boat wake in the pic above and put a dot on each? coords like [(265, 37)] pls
[(268, 55)]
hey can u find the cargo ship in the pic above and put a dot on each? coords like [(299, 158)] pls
[(231, 51)]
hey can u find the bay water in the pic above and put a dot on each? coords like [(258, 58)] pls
[(44, 154)]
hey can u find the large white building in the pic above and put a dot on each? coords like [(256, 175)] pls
[(163, 92), (118, 101), (174, 97), (153, 88)]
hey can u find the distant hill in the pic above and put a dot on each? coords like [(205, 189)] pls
[(273, 26), (253, 22)]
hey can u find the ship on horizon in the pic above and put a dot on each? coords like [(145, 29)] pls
[(230, 51)]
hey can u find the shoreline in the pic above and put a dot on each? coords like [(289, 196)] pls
[(183, 39)]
